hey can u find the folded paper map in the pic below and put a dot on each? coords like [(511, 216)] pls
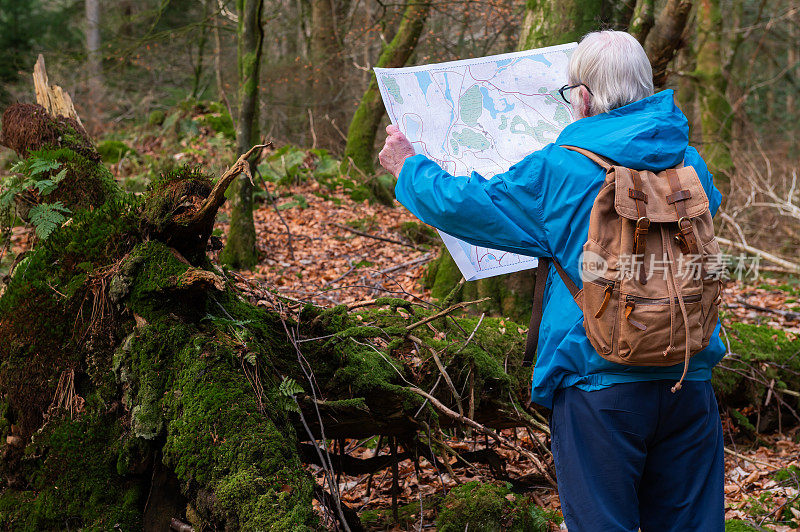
[(480, 115)]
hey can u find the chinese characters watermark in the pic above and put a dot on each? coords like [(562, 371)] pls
[(688, 267)]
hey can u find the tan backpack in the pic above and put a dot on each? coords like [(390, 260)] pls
[(651, 269)]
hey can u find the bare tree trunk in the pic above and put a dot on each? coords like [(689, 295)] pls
[(240, 248), (642, 20), (93, 59), (619, 13), (218, 64), (716, 114), (367, 118), (327, 68), (791, 59), (549, 22), (197, 68), (664, 40), (686, 94)]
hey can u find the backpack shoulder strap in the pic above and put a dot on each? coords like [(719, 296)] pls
[(542, 271), (602, 161)]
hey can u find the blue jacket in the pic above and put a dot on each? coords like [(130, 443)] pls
[(540, 207)]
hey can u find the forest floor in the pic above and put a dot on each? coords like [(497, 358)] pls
[(318, 244)]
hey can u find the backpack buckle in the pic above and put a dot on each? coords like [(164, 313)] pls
[(685, 237), (642, 228)]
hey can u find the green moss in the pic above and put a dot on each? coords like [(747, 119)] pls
[(216, 437), (736, 525), (86, 183), (45, 328), (789, 473), (219, 120), (76, 480), (113, 150), (548, 23), (418, 233), (489, 507), (408, 515), (240, 248), (363, 128), (187, 388), (752, 343), (442, 275), (156, 117), (165, 192), (151, 355)]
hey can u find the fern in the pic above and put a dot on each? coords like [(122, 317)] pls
[(36, 166), (287, 389), (46, 186), (47, 217), (18, 167), (33, 172), (251, 358), (7, 197)]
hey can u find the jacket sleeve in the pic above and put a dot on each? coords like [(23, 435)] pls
[(693, 159), (504, 212)]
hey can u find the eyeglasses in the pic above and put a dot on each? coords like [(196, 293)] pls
[(565, 88)]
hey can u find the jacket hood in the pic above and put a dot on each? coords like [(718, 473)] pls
[(649, 134)]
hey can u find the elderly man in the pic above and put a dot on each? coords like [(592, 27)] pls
[(629, 453)]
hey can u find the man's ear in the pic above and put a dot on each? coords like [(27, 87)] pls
[(587, 102)]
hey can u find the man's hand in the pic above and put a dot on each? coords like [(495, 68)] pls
[(395, 151)]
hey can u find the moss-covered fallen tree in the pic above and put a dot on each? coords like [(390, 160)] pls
[(138, 384)]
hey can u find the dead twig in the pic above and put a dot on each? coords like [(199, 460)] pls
[(748, 459), (789, 315), (217, 195), (426, 257), (791, 266), (471, 335), (444, 312), (443, 371), (376, 237)]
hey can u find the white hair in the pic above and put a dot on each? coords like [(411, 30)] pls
[(615, 68)]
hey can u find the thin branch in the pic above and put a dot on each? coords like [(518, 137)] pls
[(747, 459), (769, 256), (445, 312), (443, 371), (217, 195), (376, 237)]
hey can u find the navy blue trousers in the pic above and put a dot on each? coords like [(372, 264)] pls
[(636, 455)]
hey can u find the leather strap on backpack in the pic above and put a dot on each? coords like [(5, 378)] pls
[(642, 222), (542, 271), (686, 238), (607, 164)]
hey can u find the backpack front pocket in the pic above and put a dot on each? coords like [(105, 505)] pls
[(648, 325), (600, 305)]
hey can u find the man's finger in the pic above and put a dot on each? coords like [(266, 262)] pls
[(392, 129)]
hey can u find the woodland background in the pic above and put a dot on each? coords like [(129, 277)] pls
[(171, 87)]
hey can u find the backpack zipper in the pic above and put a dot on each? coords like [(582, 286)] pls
[(662, 301), (600, 281)]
